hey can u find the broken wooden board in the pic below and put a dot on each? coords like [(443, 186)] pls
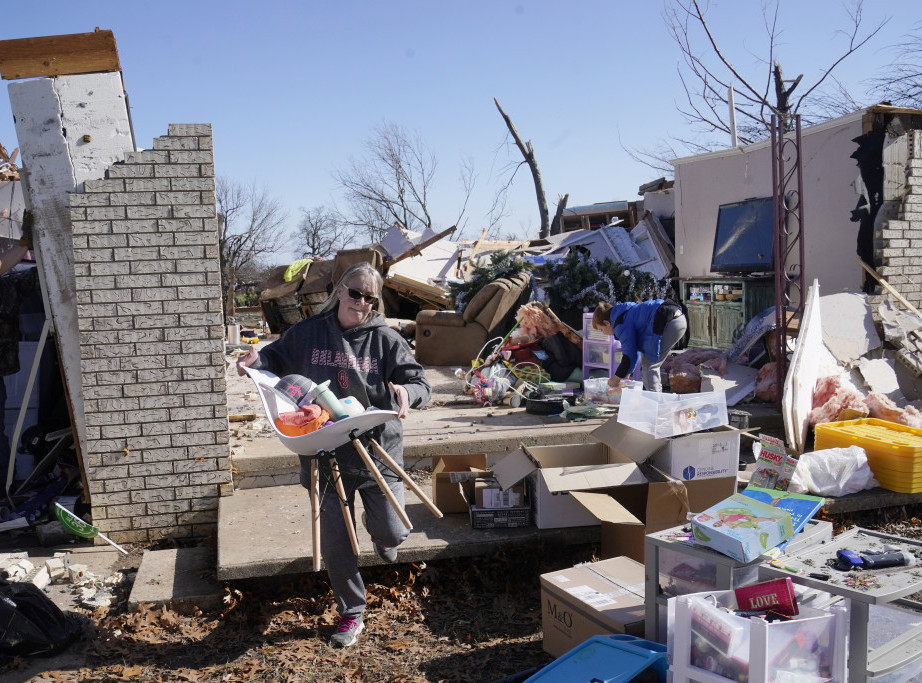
[(75, 53), (797, 400), (417, 291)]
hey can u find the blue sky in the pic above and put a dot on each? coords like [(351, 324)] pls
[(294, 89)]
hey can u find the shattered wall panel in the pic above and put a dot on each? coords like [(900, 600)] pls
[(152, 340), (55, 163)]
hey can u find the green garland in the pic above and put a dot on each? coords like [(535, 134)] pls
[(579, 282), (501, 264)]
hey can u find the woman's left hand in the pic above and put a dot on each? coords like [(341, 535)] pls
[(403, 399)]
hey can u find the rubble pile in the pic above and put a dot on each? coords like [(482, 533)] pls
[(90, 590)]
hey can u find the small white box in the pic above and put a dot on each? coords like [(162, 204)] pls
[(701, 456)]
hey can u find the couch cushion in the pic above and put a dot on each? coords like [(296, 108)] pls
[(486, 298)]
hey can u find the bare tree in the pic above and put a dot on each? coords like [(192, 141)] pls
[(393, 182), (528, 155), (902, 83), (250, 225), (321, 233), (708, 73)]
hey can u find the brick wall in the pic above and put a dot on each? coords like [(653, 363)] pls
[(899, 242), (148, 294)]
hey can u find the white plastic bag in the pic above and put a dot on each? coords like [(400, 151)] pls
[(833, 472)]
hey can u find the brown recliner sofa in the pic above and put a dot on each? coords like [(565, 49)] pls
[(451, 338)]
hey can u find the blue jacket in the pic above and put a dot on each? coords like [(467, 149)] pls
[(635, 331)]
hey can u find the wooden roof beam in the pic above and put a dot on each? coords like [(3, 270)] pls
[(75, 53)]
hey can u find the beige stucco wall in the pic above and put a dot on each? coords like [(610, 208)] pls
[(830, 178)]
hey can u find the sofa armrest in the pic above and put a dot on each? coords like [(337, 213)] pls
[(439, 319)]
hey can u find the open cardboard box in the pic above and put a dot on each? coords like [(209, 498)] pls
[(603, 483), (701, 455), (446, 493)]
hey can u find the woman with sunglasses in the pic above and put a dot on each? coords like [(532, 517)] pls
[(348, 343)]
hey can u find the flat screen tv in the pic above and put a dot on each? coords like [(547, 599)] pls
[(744, 240)]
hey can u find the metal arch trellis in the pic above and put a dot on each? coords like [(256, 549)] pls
[(787, 195)]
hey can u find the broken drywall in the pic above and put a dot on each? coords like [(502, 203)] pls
[(848, 329), (879, 375), (738, 382)]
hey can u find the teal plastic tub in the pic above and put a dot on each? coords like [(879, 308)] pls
[(607, 659)]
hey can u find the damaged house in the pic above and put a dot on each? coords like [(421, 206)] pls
[(861, 229)]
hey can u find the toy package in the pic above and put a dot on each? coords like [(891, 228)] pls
[(741, 527)]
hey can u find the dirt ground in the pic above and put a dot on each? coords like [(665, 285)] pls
[(459, 620)]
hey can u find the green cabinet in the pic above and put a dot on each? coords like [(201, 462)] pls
[(717, 307)]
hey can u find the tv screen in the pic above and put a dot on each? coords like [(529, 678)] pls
[(744, 240)]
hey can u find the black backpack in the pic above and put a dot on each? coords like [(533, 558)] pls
[(31, 624), (563, 356)]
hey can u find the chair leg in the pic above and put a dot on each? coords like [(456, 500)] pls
[(385, 489), (341, 492), (407, 479), (315, 512)]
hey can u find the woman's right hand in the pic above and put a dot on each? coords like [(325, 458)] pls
[(246, 360), (614, 382)]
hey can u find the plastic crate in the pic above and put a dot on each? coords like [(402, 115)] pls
[(894, 451), (708, 643), (607, 659)]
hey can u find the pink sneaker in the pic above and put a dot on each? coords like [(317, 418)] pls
[(346, 632)]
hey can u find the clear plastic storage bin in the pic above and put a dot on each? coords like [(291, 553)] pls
[(665, 415), (709, 643), (597, 390)]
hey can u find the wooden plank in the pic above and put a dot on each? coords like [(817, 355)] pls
[(470, 257), (414, 251), (886, 285), (75, 53)]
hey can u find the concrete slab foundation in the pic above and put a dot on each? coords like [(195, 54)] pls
[(178, 574), (267, 532)]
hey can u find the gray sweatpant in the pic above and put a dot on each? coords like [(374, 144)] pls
[(342, 565), (672, 333)]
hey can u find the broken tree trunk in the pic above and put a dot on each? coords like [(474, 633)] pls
[(529, 154), (557, 223)]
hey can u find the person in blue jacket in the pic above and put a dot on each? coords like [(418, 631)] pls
[(648, 331)]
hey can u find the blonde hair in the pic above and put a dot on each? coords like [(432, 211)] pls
[(602, 314), (367, 271)]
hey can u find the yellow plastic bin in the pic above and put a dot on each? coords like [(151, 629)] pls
[(894, 451)]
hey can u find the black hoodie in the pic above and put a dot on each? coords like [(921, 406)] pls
[(359, 362)]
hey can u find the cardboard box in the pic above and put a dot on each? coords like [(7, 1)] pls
[(494, 517), (702, 455), (742, 527), (552, 472), (602, 483), (593, 599), (499, 518), (488, 494), (446, 494)]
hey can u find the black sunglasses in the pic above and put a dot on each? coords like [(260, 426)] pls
[(359, 296)]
